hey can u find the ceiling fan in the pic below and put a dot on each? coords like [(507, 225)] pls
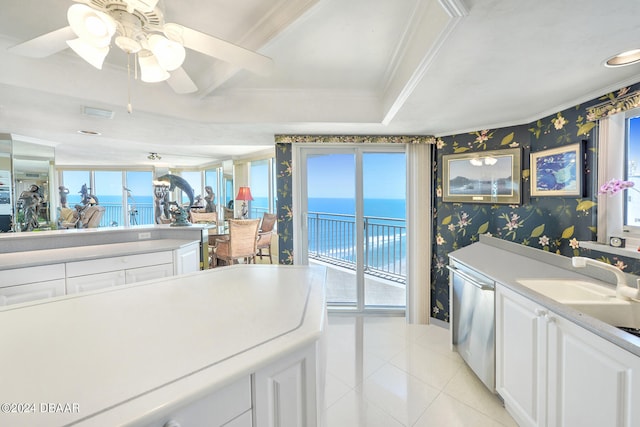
[(138, 27)]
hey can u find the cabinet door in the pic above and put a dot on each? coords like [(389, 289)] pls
[(229, 406), (117, 263), (286, 393), (186, 259), (31, 292), (148, 273), (520, 356), (94, 282), (243, 420), (33, 274), (591, 381)]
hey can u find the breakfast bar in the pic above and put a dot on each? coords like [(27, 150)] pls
[(235, 346)]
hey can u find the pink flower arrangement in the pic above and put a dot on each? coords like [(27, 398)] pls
[(615, 186)]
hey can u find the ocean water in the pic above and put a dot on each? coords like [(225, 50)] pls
[(383, 208)]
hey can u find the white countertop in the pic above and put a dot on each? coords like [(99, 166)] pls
[(508, 266), (83, 253), (121, 353)]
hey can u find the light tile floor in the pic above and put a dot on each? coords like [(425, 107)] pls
[(384, 372)]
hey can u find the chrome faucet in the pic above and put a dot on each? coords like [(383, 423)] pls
[(623, 291)]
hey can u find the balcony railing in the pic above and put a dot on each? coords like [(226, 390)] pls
[(332, 239), (113, 214)]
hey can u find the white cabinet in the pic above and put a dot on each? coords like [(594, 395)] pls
[(287, 393), (520, 354), (69, 277), (228, 407), (31, 283), (31, 292), (93, 282), (107, 272), (133, 275), (552, 372), (590, 380), (186, 259)]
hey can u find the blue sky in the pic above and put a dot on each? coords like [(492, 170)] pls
[(109, 183), (333, 176), (634, 143), (329, 176)]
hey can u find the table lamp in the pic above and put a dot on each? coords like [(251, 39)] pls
[(244, 194)]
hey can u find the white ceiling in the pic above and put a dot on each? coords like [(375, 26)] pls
[(417, 67)]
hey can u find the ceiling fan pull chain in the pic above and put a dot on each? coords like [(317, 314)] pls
[(129, 107)]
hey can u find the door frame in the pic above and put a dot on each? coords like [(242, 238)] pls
[(418, 216)]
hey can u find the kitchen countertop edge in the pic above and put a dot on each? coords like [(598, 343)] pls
[(506, 263)]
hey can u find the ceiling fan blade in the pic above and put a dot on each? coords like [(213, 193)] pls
[(180, 82), (45, 45), (226, 51)]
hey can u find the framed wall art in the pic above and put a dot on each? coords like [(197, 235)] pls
[(557, 171), (482, 177)]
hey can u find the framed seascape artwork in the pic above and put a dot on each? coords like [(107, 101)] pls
[(557, 171), (482, 177)]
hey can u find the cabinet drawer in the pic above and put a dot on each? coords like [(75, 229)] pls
[(243, 420), (82, 268), (31, 292), (22, 276), (134, 275), (93, 282), (228, 405)]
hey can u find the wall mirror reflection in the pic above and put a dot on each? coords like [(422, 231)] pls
[(32, 171)]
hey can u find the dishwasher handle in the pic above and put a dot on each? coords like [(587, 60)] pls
[(472, 280)]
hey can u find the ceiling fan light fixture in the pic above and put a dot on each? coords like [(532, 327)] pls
[(93, 26), (174, 32), (150, 70), (170, 54), (142, 5), (625, 58), (93, 55), (127, 44)]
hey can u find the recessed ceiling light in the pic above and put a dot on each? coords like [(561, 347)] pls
[(89, 132), (625, 58)]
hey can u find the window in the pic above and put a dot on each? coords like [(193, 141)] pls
[(109, 192), (211, 180), (619, 158), (195, 181), (73, 181), (631, 220), (140, 197), (126, 195), (259, 184)]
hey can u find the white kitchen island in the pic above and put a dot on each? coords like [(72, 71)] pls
[(235, 346)]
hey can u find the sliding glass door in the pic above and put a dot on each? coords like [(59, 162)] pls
[(354, 223)]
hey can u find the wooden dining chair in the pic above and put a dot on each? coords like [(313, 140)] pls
[(265, 234), (203, 217), (240, 244)]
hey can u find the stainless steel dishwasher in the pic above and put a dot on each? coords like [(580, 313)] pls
[(472, 298)]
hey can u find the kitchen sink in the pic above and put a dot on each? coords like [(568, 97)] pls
[(619, 313), (595, 300), (563, 290)]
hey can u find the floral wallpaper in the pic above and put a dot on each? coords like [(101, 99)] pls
[(284, 183), (550, 223)]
